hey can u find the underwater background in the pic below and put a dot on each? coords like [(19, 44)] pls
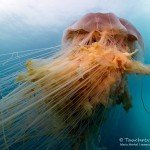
[(26, 25)]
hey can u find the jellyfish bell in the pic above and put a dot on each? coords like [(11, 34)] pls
[(100, 27), (65, 97)]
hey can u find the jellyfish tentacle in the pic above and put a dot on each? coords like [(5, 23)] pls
[(18, 66), (139, 68), (87, 39), (77, 88), (124, 97), (129, 55), (103, 38)]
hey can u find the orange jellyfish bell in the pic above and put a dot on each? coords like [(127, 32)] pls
[(107, 23)]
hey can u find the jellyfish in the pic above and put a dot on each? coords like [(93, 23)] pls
[(62, 99)]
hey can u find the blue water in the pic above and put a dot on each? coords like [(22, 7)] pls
[(15, 35)]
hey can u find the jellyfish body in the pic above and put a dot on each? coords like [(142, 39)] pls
[(63, 97), (107, 25)]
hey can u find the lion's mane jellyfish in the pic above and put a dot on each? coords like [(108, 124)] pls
[(62, 99)]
